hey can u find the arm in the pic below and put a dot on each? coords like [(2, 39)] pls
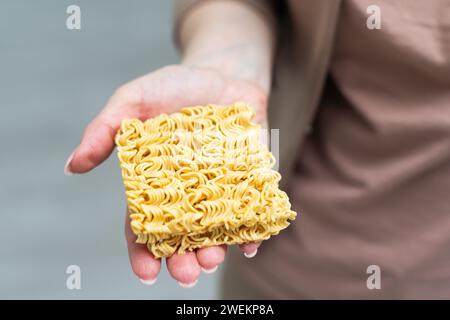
[(227, 49), (230, 37)]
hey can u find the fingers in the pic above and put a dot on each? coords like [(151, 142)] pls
[(144, 265), (184, 268), (210, 258), (97, 142), (250, 249)]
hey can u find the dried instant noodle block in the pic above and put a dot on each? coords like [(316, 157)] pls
[(200, 177)]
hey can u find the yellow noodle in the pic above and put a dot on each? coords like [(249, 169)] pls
[(200, 177)]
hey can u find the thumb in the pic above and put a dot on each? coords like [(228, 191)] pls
[(97, 142)]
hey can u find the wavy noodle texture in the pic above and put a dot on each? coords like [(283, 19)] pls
[(200, 177)]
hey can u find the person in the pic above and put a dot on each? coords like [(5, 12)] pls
[(364, 119)]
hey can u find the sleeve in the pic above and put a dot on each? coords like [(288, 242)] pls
[(266, 8)]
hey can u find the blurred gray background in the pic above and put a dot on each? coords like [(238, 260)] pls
[(53, 81)]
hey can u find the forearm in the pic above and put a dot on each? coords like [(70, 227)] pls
[(230, 37)]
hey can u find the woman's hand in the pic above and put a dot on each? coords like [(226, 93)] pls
[(165, 91), (227, 50)]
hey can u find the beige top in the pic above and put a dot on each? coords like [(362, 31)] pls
[(371, 181)]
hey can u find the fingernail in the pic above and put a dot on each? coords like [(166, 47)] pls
[(210, 270), (148, 282), (251, 254), (67, 171), (188, 285)]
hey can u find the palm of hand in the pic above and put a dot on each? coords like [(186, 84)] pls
[(170, 88)]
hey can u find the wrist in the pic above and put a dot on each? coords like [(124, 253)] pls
[(230, 38), (237, 62)]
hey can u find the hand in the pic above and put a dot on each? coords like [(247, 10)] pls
[(165, 91)]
